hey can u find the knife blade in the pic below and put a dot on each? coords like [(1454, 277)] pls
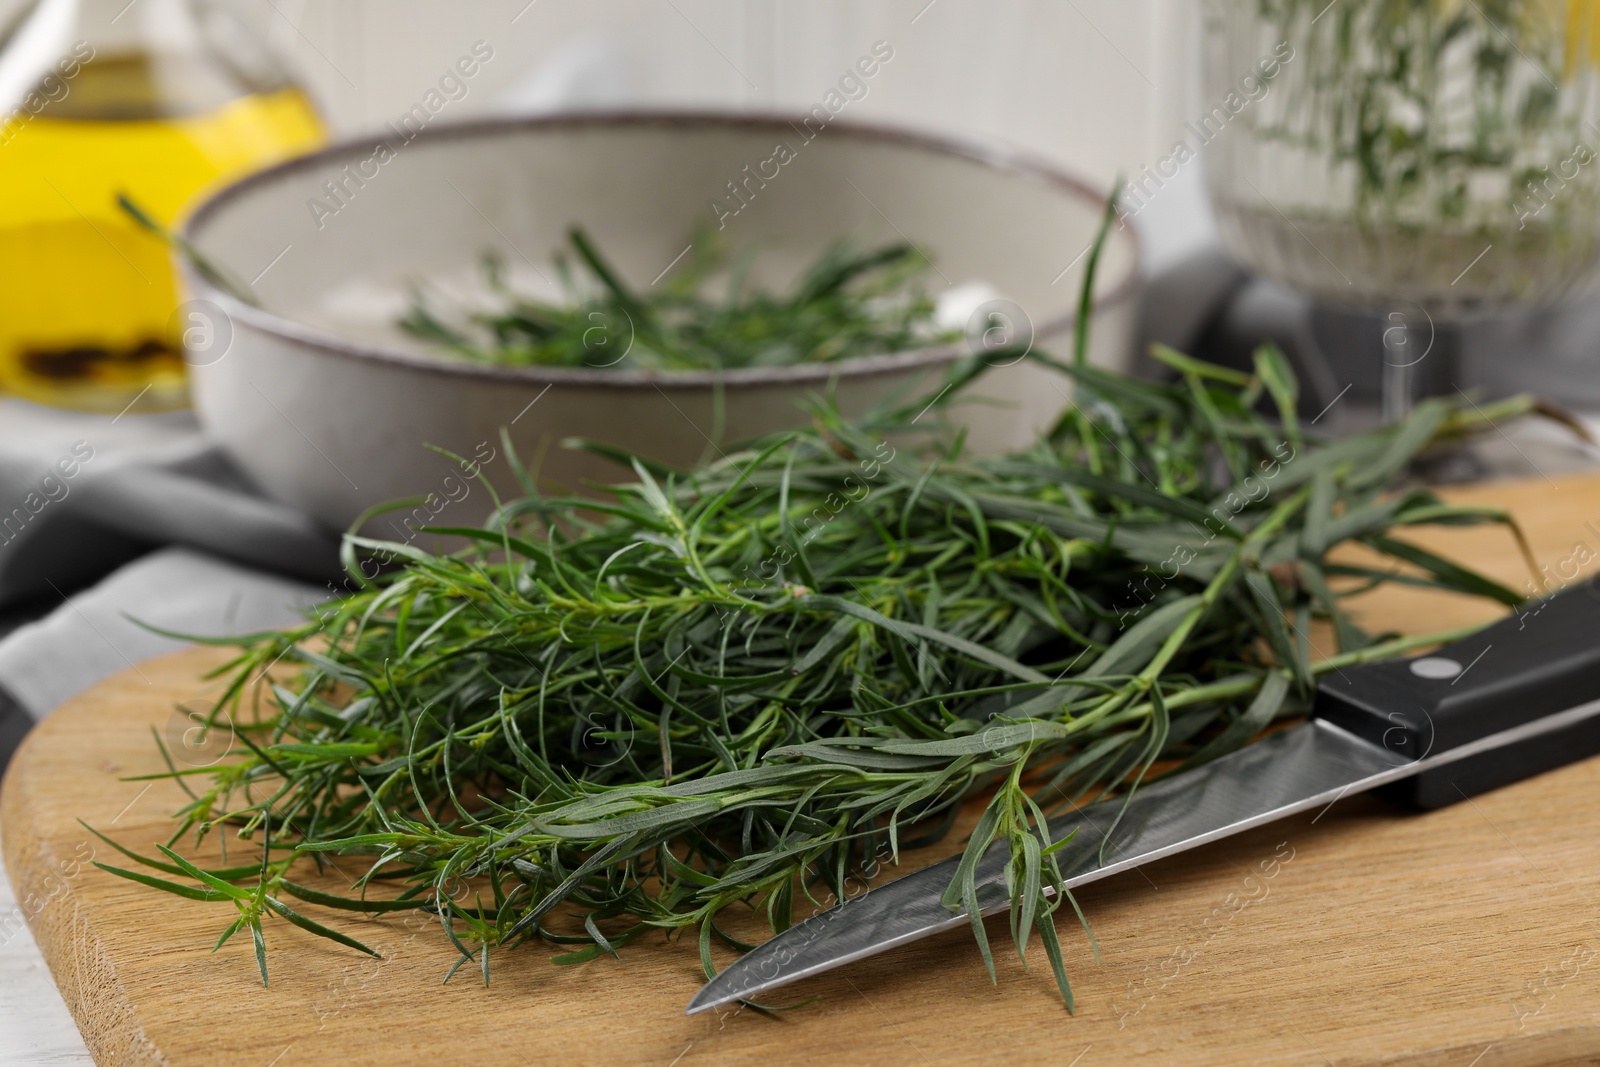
[(1516, 699)]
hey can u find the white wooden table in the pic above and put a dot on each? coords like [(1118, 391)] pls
[(35, 1027)]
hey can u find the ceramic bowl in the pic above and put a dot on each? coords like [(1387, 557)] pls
[(320, 398)]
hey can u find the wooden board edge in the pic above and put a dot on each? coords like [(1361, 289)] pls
[(86, 978), (1564, 1047)]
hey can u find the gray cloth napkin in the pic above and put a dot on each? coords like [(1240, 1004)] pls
[(188, 544), (113, 626), (81, 494)]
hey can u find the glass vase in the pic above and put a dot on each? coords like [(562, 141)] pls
[(1432, 154)]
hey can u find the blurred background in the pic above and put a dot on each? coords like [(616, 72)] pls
[(1102, 87)]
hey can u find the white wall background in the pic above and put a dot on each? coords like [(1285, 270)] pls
[(1089, 81), (1098, 85)]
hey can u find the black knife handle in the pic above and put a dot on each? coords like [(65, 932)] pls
[(1543, 659)]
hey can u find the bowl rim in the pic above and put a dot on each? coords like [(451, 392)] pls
[(1005, 160)]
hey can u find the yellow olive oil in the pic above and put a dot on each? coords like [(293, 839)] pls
[(87, 299)]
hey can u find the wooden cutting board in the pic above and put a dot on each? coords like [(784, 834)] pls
[(1362, 935)]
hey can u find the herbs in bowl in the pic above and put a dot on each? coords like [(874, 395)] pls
[(703, 314)]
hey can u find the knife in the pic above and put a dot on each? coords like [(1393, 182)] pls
[(1514, 700)]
